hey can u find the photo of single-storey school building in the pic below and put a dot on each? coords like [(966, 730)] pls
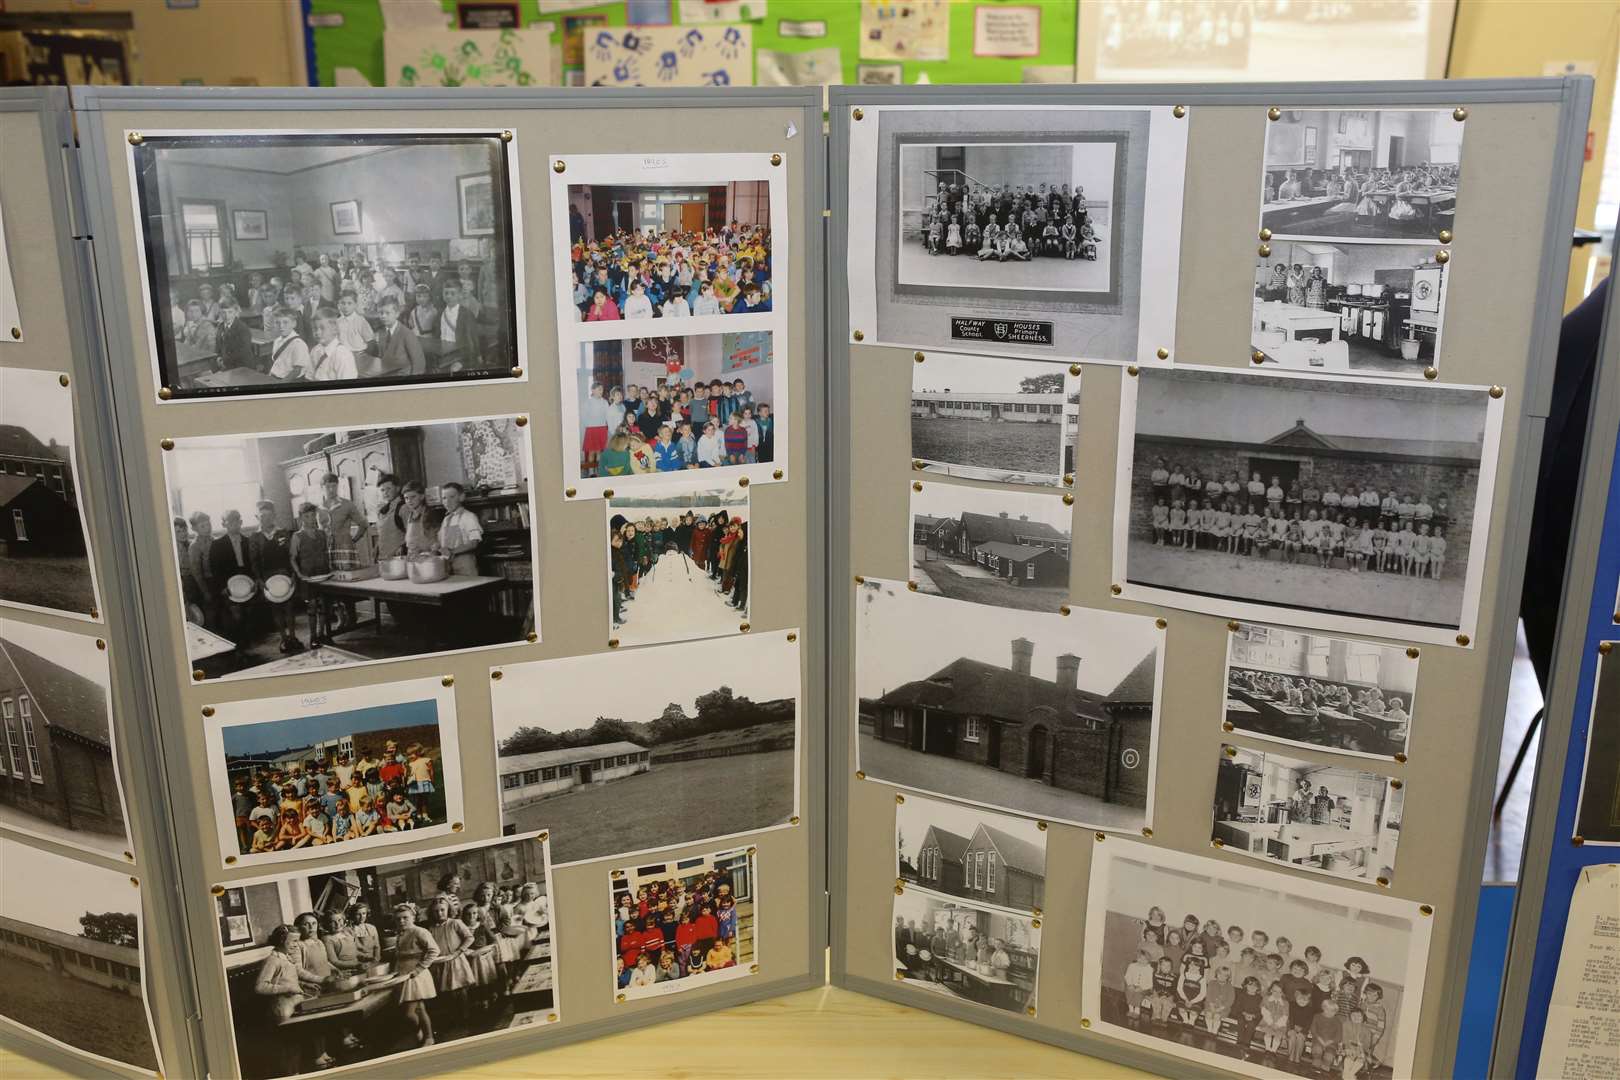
[(1016, 550), (526, 778), (966, 405)]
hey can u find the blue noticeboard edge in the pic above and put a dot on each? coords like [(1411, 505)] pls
[(1486, 964)]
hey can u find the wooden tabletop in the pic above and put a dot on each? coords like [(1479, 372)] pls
[(404, 588)]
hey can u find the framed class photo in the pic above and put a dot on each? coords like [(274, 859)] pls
[(1044, 231), (1048, 716), (994, 418), (678, 565), (444, 946), (1290, 976), (303, 550), (685, 923), (310, 776), (672, 278), (628, 751), (299, 262), (1360, 506)]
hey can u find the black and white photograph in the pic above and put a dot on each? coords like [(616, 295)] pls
[(305, 550), (1020, 217), (1309, 815), (1332, 693), (991, 545), (970, 852), (994, 418), (625, 752), (966, 951), (1360, 506), (1342, 308), (1047, 716), (642, 409), (684, 924), (359, 963), (297, 262), (70, 957), (1051, 233), (1250, 971), (45, 562), (362, 767), (1361, 174), (678, 565), (1597, 813), (59, 775)]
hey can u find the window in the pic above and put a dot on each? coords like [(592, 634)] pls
[(978, 869), (899, 716), (1029, 571), (101, 966), (990, 872), (25, 706), (19, 526), (970, 732), (531, 776), (510, 781), (8, 709), (204, 236), (548, 773)]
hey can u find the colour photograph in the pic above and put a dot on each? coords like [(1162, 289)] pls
[(1597, 814), (302, 262), (1242, 969), (1360, 506), (970, 852), (1339, 694), (1309, 815), (990, 545), (59, 767), (314, 775), (360, 963), (1361, 174), (623, 752), (678, 565), (993, 418), (44, 544), (314, 549), (684, 924), (966, 951), (70, 956), (1048, 716)]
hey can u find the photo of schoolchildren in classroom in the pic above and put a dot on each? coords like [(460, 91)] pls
[(362, 963), (683, 924), (669, 252), (287, 263), (673, 404)]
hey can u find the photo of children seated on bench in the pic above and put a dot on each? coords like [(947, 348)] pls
[(295, 263)]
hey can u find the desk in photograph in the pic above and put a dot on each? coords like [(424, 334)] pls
[(1286, 211), (1298, 843), (1294, 319), (1250, 836), (446, 612), (997, 990)]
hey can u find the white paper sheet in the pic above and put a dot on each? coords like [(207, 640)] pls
[(1582, 1038), (721, 11), (670, 56), (919, 30), (815, 67), (1006, 31), (10, 318), (428, 57)]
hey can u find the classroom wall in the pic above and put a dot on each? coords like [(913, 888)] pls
[(241, 189), (405, 195), (1024, 166)]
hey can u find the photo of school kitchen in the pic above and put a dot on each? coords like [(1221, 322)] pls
[(306, 550)]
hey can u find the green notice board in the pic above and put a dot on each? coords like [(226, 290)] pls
[(358, 41)]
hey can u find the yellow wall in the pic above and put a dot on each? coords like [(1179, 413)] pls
[(1508, 38), (221, 42)]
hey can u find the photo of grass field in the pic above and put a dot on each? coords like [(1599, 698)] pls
[(76, 1012)]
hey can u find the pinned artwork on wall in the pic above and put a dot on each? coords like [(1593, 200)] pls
[(969, 852), (701, 928), (994, 418), (360, 260), (670, 56), (967, 951), (678, 565), (431, 56)]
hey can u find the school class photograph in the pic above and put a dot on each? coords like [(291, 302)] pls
[(678, 565), (295, 262), (361, 963), (994, 418), (306, 550), (966, 951), (683, 924)]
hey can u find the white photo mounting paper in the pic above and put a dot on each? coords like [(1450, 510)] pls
[(307, 261), (1413, 468), (1247, 970), (1053, 717), (364, 962), (994, 418), (303, 550), (1597, 812), (991, 545), (683, 924), (310, 776), (59, 777), (971, 853), (1339, 694), (672, 292), (45, 559), (1049, 232), (678, 565), (71, 957), (626, 752), (11, 327), (966, 951)]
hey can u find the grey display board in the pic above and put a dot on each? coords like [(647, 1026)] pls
[(1520, 169)]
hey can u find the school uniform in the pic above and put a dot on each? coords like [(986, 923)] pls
[(332, 363), (355, 332), (458, 338), (459, 528), (289, 358), (234, 343)]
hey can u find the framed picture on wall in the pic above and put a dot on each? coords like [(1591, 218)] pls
[(346, 218), (475, 195), (250, 225), (235, 926)]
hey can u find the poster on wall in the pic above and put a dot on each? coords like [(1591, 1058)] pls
[(670, 56), (434, 57), (672, 299), (919, 30), (304, 262), (1045, 232)]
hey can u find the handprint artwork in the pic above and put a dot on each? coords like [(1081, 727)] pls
[(671, 56)]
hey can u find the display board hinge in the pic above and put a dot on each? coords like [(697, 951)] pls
[(78, 218)]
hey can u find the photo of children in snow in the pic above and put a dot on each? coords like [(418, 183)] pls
[(671, 404), (1222, 967), (682, 924), (678, 565)]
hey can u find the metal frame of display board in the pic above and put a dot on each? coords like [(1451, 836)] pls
[(139, 739), (1588, 615), (1568, 102)]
